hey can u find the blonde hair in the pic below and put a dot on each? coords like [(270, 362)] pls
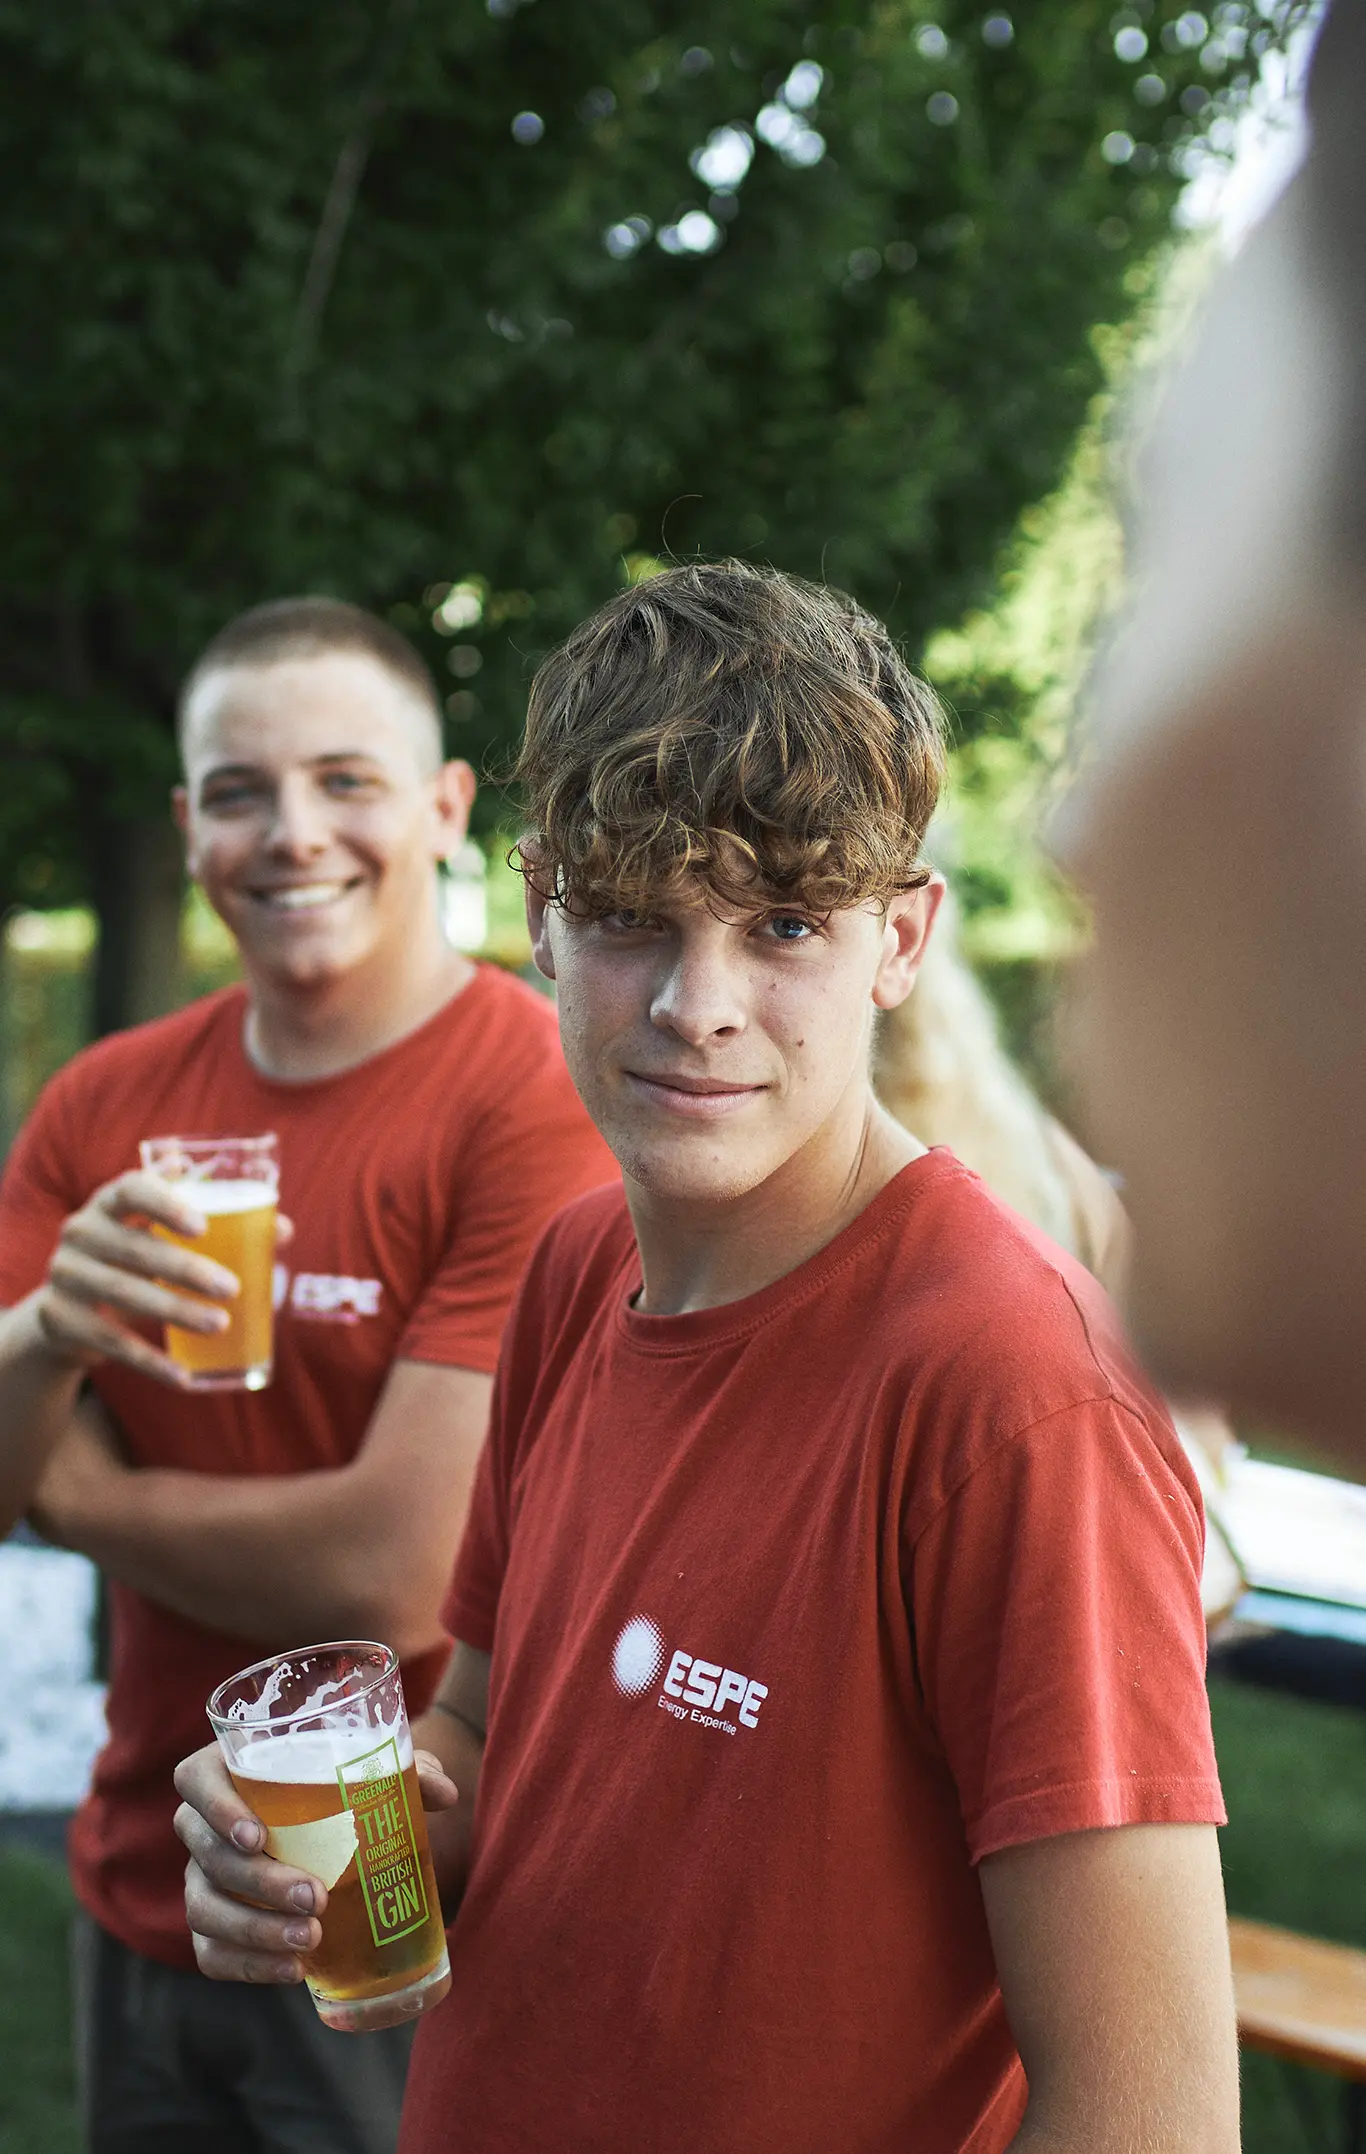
[(941, 1069), (287, 628)]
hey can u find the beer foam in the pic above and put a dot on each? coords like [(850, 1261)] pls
[(325, 1847), (311, 1757), (216, 1199), (334, 1696)]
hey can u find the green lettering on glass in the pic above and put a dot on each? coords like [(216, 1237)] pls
[(390, 1874)]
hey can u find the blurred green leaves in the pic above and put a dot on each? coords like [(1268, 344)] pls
[(296, 298)]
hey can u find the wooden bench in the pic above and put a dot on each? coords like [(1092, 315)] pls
[(1304, 2000)]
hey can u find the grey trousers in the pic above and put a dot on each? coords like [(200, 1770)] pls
[(170, 2063)]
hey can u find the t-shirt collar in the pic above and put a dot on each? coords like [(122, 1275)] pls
[(698, 1330)]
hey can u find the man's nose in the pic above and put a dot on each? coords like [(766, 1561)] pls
[(298, 825), (698, 998)]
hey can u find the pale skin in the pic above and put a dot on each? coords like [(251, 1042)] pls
[(724, 1056), (1218, 1033), (314, 810)]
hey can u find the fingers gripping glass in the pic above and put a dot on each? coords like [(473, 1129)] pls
[(318, 1746), (233, 1181)]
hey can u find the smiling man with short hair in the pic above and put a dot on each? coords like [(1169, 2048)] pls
[(827, 1706), (427, 1128)]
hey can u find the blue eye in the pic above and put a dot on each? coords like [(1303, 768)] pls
[(341, 782), (222, 799), (790, 927)]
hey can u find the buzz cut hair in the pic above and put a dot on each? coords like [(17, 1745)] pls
[(288, 628), (727, 726)]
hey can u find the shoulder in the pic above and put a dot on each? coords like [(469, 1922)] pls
[(1012, 1372), (503, 1039), (507, 1009), (994, 1325), (574, 1273), (110, 1065), (85, 1125), (588, 1243)]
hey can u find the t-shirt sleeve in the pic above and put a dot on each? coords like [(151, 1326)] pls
[(1055, 1601), (470, 1609), (539, 1342), (38, 1192), (531, 1153)]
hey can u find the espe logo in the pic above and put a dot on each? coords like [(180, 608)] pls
[(701, 1691), (709, 1688), (325, 1297)]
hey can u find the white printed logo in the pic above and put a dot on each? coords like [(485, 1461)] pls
[(700, 1691), (327, 1298), (637, 1656)]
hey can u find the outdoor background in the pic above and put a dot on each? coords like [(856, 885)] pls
[(473, 314)]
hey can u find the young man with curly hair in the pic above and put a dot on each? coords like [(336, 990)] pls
[(826, 1710)]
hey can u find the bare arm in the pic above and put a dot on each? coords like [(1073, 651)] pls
[(453, 1731), (253, 1918), (362, 1550), (1112, 1949), (107, 1272), (38, 1390)]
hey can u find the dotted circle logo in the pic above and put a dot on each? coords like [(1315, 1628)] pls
[(637, 1656)]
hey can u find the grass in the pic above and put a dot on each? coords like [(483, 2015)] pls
[(37, 2084), (1294, 1852)]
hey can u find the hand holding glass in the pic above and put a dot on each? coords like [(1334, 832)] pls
[(233, 1181), (318, 1746)]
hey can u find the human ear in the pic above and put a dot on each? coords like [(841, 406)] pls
[(537, 915), (455, 788), (180, 811), (906, 931)]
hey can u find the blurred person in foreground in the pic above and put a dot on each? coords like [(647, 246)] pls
[(1220, 826), (827, 1709), (427, 1129)]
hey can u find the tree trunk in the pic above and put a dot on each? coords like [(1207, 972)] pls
[(137, 885)]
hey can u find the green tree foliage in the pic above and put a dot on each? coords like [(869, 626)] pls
[(388, 296)]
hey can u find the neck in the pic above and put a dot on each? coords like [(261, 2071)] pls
[(297, 1033), (701, 1255)]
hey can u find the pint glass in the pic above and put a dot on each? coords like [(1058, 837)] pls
[(232, 1181), (318, 1746)]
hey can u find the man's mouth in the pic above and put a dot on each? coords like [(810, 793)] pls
[(701, 1086), (698, 1096), (301, 897)]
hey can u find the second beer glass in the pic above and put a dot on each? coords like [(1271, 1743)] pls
[(318, 1746), (233, 1182)]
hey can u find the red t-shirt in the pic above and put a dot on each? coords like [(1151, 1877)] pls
[(798, 1607), (417, 1182)]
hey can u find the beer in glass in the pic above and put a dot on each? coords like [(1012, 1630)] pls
[(233, 1182), (318, 1747)]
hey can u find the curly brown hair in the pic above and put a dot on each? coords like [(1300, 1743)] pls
[(731, 726)]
